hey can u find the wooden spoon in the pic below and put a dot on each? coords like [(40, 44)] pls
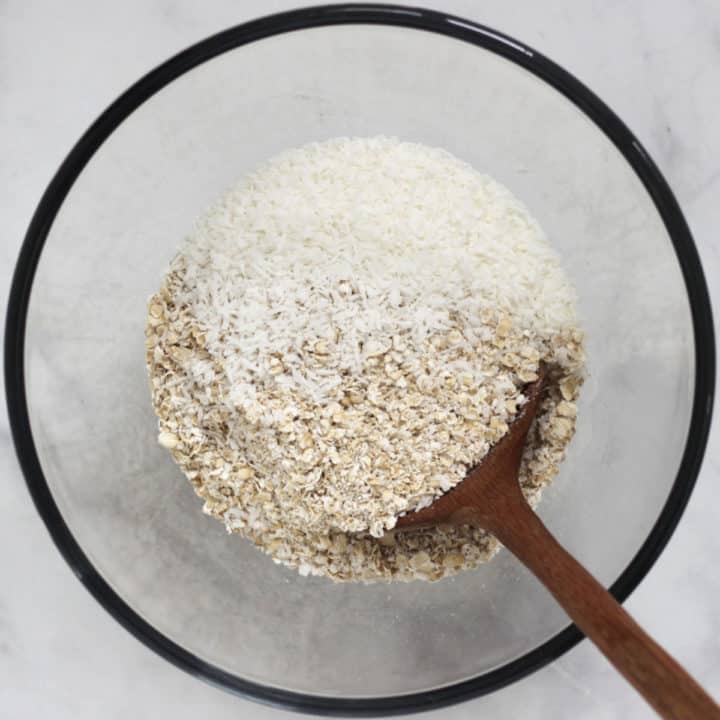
[(490, 497)]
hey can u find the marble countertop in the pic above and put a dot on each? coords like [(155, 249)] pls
[(656, 64)]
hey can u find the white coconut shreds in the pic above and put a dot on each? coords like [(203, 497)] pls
[(345, 333)]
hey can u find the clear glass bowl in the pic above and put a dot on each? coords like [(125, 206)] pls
[(117, 506)]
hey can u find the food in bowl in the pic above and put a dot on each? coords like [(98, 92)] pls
[(344, 334)]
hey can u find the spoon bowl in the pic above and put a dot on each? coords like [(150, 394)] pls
[(466, 502)]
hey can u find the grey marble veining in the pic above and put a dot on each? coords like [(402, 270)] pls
[(657, 65)]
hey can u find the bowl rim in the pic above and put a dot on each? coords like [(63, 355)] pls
[(313, 17)]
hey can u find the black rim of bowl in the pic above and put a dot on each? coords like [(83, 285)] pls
[(311, 17)]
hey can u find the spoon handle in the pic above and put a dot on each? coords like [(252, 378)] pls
[(657, 676)]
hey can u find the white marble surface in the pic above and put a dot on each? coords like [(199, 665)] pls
[(656, 63)]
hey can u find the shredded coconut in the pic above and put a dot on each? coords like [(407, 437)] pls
[(344, 334)]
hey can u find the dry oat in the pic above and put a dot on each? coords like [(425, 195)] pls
[(345, 334)]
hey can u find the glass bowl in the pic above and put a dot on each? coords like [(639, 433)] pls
[(116, 505)]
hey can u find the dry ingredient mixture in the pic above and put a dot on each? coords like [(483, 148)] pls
[(344, 334)]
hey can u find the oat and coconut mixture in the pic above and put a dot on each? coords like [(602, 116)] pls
[(345, 333)]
